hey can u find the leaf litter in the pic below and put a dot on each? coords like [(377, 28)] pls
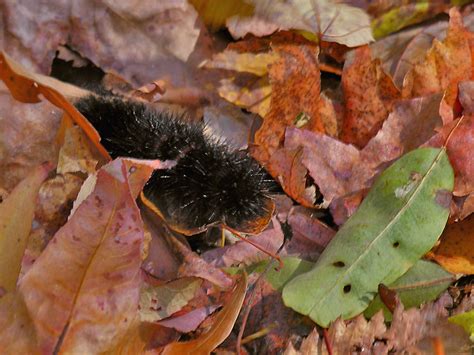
[(316, 97)]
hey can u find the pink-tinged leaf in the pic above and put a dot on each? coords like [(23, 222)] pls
[(310, 235), (466, 96), (194, 265), (340, 169), (459, 149), (242, 252), (26, 135), (190, 321), (220, 330), (82, 293), (16, 216)]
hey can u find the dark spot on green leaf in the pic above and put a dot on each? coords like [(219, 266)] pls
[(443, 198), (339, 264), (347, 288)]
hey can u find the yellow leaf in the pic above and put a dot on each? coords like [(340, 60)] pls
[(16, 216)]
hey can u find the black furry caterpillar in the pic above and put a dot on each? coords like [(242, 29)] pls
[(210, 183)]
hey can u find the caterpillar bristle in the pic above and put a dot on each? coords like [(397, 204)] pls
[(210, 184)]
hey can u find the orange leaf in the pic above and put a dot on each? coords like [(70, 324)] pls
[(17, 333), (296, 84), (456, 250), (219, 331), (287, 167), (82, 292), (369, 94), (16, 216), (26, 87), (445, 64)]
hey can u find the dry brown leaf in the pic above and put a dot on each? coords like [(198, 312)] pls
[(459, 149), (340, 169), (220, 330), (90, 301), (254, 63), (411, 331), (139, 41), (243, 253), (310, 235), (55, 199), (445, 64), (16, 216), (76, 154), (253, 96), (17, 332), (27, 134), (295, 80), (193, 265), (455, 252), (27, 87), (287, 168), (369, 96)]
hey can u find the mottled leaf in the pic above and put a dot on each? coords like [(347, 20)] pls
[(90, 301), (295, 81), (369, 96)]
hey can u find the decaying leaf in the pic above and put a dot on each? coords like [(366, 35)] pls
[(254, 97), (27, 87), (154, 34), (369, 95), (445, 64), (158, 302), (26, 135), (459, 147), (456, 249), (295, 80), (219, 331), (91, 299), (332, 21), (76, 155), (403, 202), (241, 252), (16, 216), (257, 63)]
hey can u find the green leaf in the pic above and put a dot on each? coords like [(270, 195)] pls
[(399, 221), (422, 283), (465, 320), (292, 267)]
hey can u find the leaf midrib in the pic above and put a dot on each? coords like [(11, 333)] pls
[(388, 227)]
